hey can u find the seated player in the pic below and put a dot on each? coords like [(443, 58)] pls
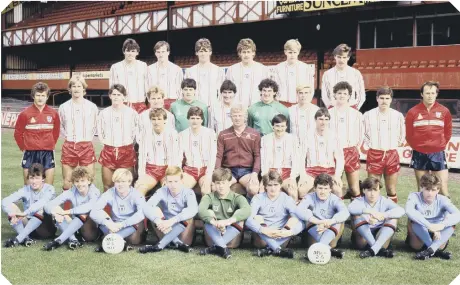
[(329, 214), (220, 113), (83, 195), (302, 114), (375, 220), (273, 218), (160, 147), (432, 218), (171, 210), (260, 114), (199, 147), (127, 204), (279, 153), (320, 153), (32, 220), (223, 212)]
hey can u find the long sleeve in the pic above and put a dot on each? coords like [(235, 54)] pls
[(86, 208), (302, 210), (295, 159), (244, 209), (413, 214), (204, 207), (360, 90), (213, 153), (256, 167), (263, 156), (62, 118), (19, 131), (402, 130), (302, 159), (394, 211), (37, 206), (152, 203), (206, 116), (339, 161), (356, 207), (112, 77), (220, 151), (325, 92), (367, 128), (59, 200), (100, 127), (448, 127), (454, 217), (179, 79), (360, 131), (7, 201), (57, 128), (250, 120), (229, 76), (211, 124), (135, 125), (191, 210), (409, 128), (97, 214), (250, 222), (146, 78), (342, 213), (139, 214), (176, 158)]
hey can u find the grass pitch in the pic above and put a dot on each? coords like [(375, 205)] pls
[(33, 266)]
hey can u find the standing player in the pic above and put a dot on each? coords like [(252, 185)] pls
[(132, 74), (32, 220), (127, 217), (180, 107), (428, 131), (219, 114), (432, 218), (320, 153), (260, 114), (279, 153), (78, 125), (117, 128), (207, 75), (347, 125), (223, 212), (247, 74), (36, 133), (343, 72), (165, 74), (375, 220), (83, 195), (273, 218), (302, 115), (329, 214), (238, 148), (171, 210), (161, 145), (384, 132), (290, 73), (199, 147)]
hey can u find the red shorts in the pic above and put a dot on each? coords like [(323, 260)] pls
[(138, 107), (317, 170), (285, 172), (195, 172), (287, 104), (157, 172), (80, 153), (118, 157), (168, 103), (351, 155), (379, 161)]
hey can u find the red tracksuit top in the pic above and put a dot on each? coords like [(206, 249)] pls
[(37, 130), (428, 131)]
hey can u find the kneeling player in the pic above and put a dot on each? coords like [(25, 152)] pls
[(432, 218), (33, 220), (329, 213), (273, 218), (83, 195), (375, 220), (171, 210), (223, 212), (127, 203)]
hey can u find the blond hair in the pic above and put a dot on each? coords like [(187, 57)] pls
[(122, 173), (245, 44), (75, 79), (81, 172), (155, 90), (303, 86), (293, 44), (238, 108), (174, 171)]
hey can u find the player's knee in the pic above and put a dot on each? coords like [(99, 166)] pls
[(253, 189), (259, 219)]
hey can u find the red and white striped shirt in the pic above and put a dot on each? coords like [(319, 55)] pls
[(219, 117), (200, 150), (288, 77), (134, 77), (351, 75), (145, 124), (117, 127), (347, 125), (208, 79), (302, 121), (167, 78), (320, 150), (384, 131), (78, 121), (279, 153)]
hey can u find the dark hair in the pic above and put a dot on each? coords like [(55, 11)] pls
[(322, 112), (228, 85), (323, 179), (371, 183), (120, 88), (40, 87), (188, 82), (221, 174), (272, 175), (203, 43), (268, 83), (36, 169), (430, 181), (385, 90), (279, 119), (157, 113), (81, 172), (195, 111), (131, 44), (342, 48), (342, 85), (430, 84)]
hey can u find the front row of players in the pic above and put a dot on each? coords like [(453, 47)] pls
[(273, 216)]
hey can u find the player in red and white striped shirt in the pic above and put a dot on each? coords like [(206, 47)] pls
[(247, 74), (302, 115), (342, 72), (347, 125), (290, 73), (132, 74), (199, 146), (165, 74), (117, 127), (160, 150), (320, 153), (78, 126), (384, 132), (207, 75), (219, 117)]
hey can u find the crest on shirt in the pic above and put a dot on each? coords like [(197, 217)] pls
[(291, 73), (321, 144), (246, 75), (427, 213), (438, 115), (229, 209), (278, 148), (121, 208), (248, 136), (49, 119), (195, 143), (342, 120), (322, 212), (420, 116), (272, 209), (158, 143), (215, 208), (32, 120)]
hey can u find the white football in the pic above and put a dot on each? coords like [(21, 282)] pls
[(319, 253), (113, 243)]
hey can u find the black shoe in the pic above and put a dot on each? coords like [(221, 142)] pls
[(287, 253), (74, 244), (387, 253), (28, 242), (443, 254), (337, 253), (99, 248), (208, 250), (171, 245), (52, 245), (184, 248), (149, 248), (367, 253), (424, 254), (128, 247), (226, 254), (264, 252), (11, 242)]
